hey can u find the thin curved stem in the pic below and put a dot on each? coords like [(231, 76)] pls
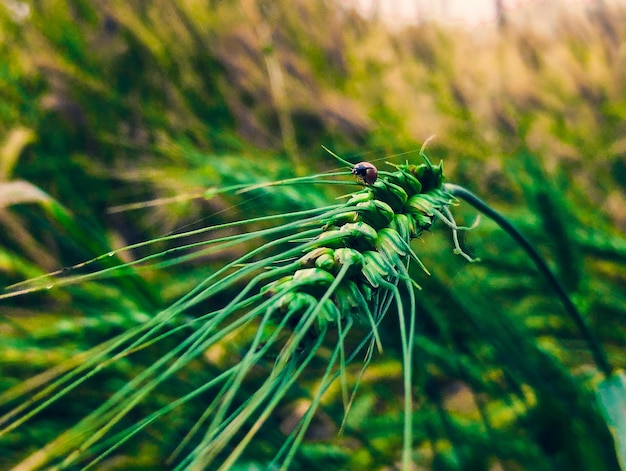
[(598, 353)]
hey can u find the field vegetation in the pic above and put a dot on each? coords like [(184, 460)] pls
[(132, 134)]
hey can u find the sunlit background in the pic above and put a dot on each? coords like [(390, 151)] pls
[(474, 13)]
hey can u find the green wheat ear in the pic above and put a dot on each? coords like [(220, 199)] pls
[(323, 271), (314, 275)]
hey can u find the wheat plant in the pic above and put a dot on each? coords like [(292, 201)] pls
[(323, 271), (311, 294)]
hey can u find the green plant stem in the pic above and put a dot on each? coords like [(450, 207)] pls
[(596, 350)]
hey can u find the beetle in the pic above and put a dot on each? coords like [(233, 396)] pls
[(365, 172)]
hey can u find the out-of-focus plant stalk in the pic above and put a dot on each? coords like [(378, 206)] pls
[(276, 81), (595, 347)]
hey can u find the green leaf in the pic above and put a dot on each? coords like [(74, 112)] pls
[(612, 396)]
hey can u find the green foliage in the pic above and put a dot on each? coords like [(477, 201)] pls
[(121, 123)]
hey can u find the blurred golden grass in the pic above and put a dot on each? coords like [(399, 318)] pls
[(483, 93)]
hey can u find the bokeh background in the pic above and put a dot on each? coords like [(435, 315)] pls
[(116, 116)]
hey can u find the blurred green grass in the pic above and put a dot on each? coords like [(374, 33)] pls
[(104, 104)]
